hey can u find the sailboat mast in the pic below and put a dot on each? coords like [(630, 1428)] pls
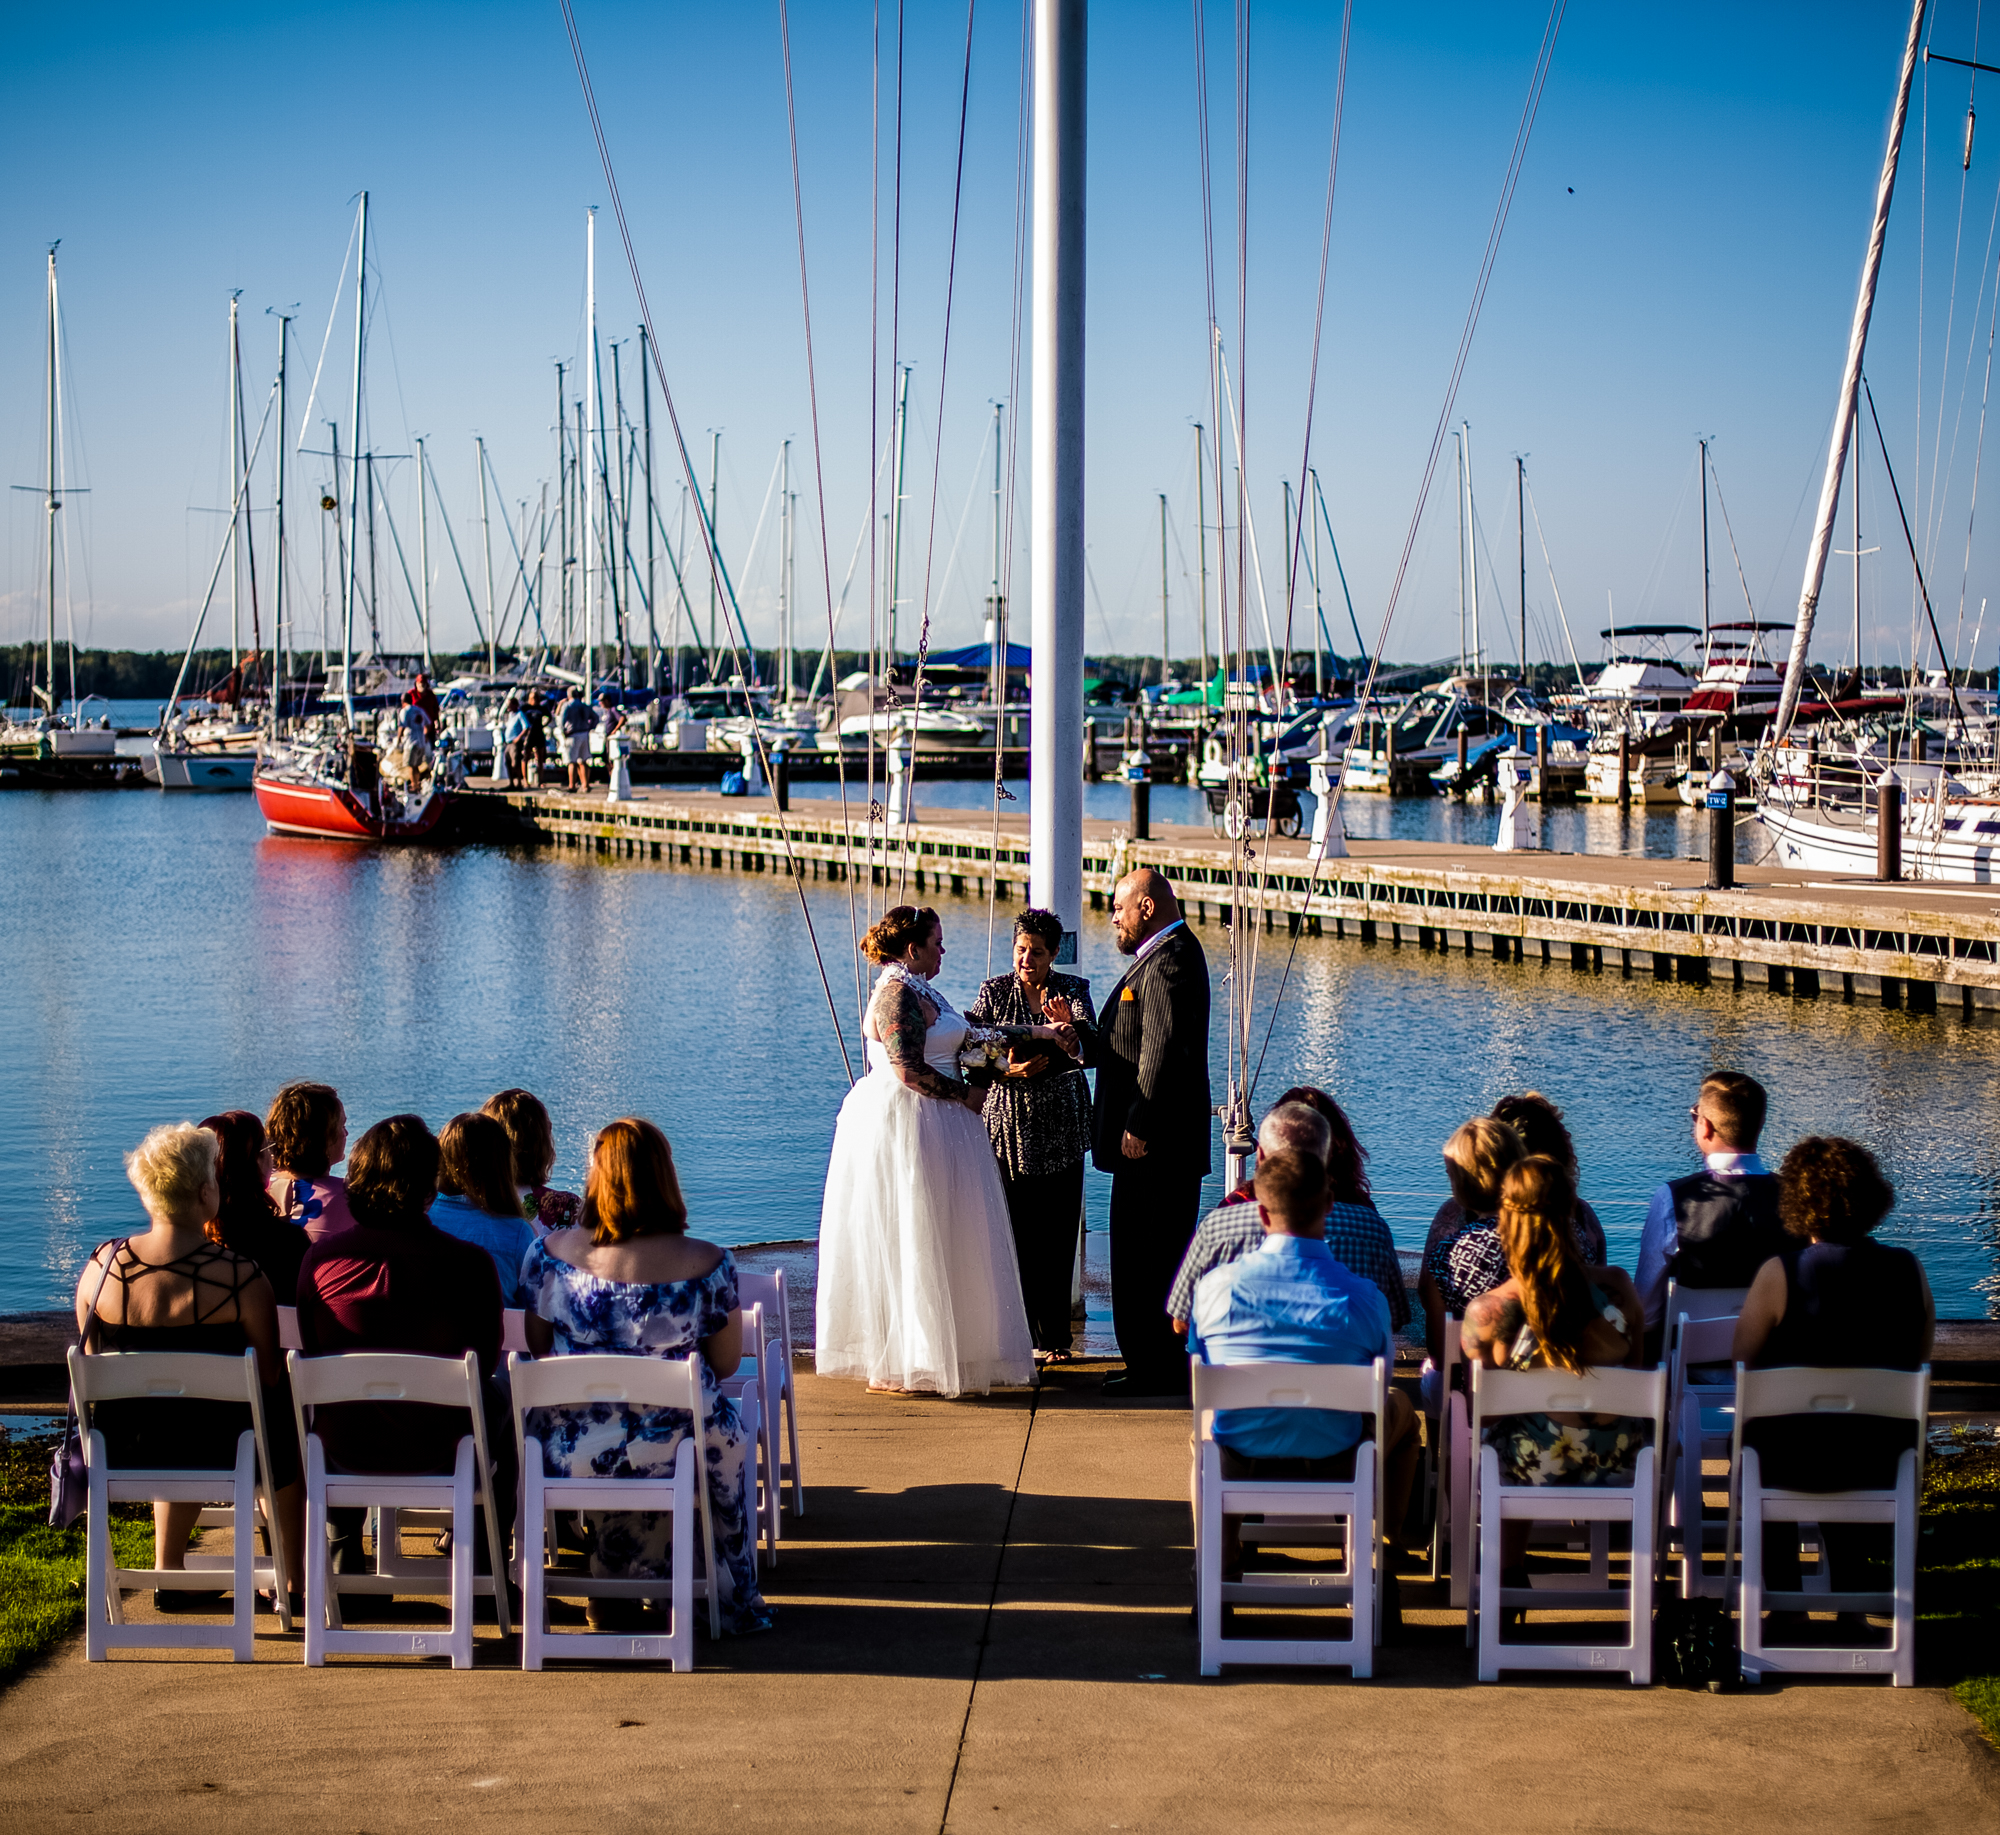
[(1163, 596), (1704, 549), (562, 511), (1319, 598), (486, 543), (996, 609), (235, 492), (354, 480), (1855, 492), (1846, 414), (1472, 567), (785, 573), (652, 513), (52, 500), (1521, 535), (714, 540), (424, 549), (592, 619), (896, 509), (1201, 551), (278, 631), (1458, 439)]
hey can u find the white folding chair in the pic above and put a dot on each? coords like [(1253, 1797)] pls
[(746, 1389), (774, 1373), (288, 1329), (1899, 1395), (1356, 1583), (513, 1331), (160, 1376), (635, 1382), (1699, 1419), (1454, 1525), (1637, 1393), (439, 1382)]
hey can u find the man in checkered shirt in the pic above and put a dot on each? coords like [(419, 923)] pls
[(1355, 1233)]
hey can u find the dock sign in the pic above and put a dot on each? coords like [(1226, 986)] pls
[(1718, 799)]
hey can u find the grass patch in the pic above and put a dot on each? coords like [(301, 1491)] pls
[(41, 1569), (1958, 1569)]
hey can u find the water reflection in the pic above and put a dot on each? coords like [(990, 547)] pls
[(170, 960)]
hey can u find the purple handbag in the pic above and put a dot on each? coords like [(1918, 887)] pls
[(69, 1481)]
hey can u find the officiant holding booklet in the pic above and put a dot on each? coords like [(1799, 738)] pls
[(1037, 1112)]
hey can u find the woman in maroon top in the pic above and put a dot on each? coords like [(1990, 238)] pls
[(396, 1282)]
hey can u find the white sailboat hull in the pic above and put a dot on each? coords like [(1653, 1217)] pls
[(1807, 839)]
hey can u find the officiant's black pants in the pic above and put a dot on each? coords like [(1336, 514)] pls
[(1154, 1211), (1046, 1210)]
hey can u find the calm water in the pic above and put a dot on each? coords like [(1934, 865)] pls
[(168, 959)]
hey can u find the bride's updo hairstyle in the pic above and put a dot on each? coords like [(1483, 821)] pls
[(889, 938), (632, 1189)]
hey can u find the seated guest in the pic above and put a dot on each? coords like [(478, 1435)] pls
[(172, 1287), (1292, 1302), (476, 1199), (534, 1142), (248, 1220), (1716, 1227), (394, 1281), (1552, 1313), (1356, 1234), (1462, 1256), (1832, 1297), (1539, 1123), (308, 1138), (631, 1280)]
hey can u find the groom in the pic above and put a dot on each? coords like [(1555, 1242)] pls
[(1151, 1123)]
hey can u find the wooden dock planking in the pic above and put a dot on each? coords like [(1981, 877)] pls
[(1901, 944)]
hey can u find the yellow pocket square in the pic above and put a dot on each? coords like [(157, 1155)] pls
[(1128, 995)]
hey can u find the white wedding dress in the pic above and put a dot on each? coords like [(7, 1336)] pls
[(918, 1283)]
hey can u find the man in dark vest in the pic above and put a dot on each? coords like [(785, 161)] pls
[(1152, 1123), (1716, 1227)]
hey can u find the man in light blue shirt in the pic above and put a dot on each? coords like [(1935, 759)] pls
[(1292, 1302)]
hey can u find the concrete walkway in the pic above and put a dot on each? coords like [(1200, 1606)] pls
[(984, 1625)]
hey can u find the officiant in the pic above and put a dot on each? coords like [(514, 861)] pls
[(1151, 1122), (1038, 1115)]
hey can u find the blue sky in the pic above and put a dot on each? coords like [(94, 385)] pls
[(1681, 260)]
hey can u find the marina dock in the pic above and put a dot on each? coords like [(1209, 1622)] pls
[(1922, 946)]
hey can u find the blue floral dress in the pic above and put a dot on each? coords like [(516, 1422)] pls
[(611, 1440)]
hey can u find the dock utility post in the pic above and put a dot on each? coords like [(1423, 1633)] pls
[(781, 775), (1326, 840), (1517, 829), (901, 810), (1625, 769), (1137, 769), (1464, 760), (1721, 800), (1888, 827)]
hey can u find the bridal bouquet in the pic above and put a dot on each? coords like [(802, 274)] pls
[(983, 1056)]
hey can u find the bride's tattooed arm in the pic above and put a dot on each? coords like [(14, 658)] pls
[(901, 1021)]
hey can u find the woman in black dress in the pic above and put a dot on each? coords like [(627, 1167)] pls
[(1038, 1114)]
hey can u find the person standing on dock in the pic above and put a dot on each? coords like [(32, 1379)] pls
[(575, 720), (1719, 1226), (1151, 1121)]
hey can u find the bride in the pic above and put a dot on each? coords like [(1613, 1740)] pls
[(918, 1286)]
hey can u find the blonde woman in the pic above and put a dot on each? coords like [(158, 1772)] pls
[(1553, 1313), (1462, 1258), (172, 1287)]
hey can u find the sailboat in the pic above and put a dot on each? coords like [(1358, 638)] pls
[(332, 787), (51, 747), (214, 747), (1830, 816)]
